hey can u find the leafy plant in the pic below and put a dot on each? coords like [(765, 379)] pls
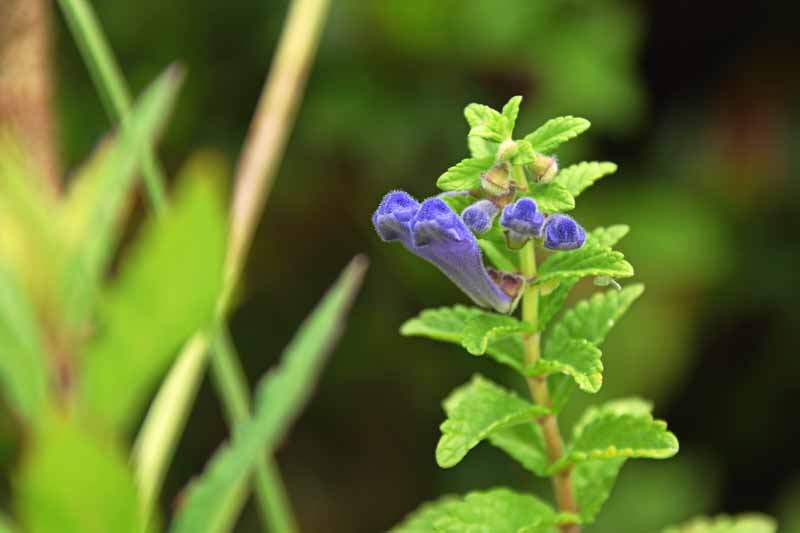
[(508, 200)]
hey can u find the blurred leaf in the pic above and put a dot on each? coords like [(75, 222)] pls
[(214, 500), (23, 371), (511, 111), (745, 523), (481, 329), (166, 291), (587, 261), (525, 444), (474, 412), (550, 304), (6, 525), (618, 429), (85, 265), (577, 178), (72, 482), (555, 132), (607, 237), (551, 197), (465, 175), (577, 358), (497, 510), (593, 480)]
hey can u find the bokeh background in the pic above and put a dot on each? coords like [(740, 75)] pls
[(696, 101)]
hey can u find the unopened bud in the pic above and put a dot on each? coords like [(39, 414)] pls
[(544, 167), (507, 150), (496, 180)]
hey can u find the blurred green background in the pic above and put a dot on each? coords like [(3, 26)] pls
[(696, 101)]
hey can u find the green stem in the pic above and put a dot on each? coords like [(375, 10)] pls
[(562, 485), (230, 381), (110, 84)]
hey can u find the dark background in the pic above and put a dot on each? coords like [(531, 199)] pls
[(696, 101)]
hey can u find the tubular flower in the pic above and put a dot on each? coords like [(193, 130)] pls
[(433, 231), (522, 221), (561, 232), (479, 216)]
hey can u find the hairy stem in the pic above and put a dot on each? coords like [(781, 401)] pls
[(562, 484)]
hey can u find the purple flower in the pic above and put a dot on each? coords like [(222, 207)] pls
[(433, 231), (479, 216), (561, 232), (522, 221)]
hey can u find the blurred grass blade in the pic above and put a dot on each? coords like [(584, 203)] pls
[(74, 482), (167, 291), (85, 265), (22, 365), (110, 84), (215, 499)]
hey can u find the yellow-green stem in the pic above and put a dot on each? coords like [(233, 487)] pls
[(562, 485)]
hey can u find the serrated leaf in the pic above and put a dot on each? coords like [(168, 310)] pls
[(23, 371), (551, 303), (480, 148), (478, 114), (481, 329), (551, 197), (487, 124), (511, 110), (525, 444), (577, 358), (577, 178), (74, 482), (587, 261), (497, 510), (474, 412), (607, 237), (745, 523), (555, 132), (215, 499), (167, 290), (619, 430), (592, 319), (464, 176), (85, 265)]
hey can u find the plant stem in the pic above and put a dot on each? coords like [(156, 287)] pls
[(230, 380), (110, 84), (562, 485)]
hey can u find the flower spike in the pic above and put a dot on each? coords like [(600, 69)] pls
[(479, 216), (522, 221), (433, 231), (561, 232)]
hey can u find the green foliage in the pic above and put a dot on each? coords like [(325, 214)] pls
[(556, 131), (551, 197), (608, 236), (577, 178), (591, 260), (745, 523), (166, 291), (487, 124), (464, 176), (550, 304), (525, 444), (577, 358), (496, 510), (481, 329), (474, 412), (511, 111), (72, 481), (215, 499)]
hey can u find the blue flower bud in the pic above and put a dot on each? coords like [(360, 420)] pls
[(479, 216), (522, 221), (561, 232), (433, 231)]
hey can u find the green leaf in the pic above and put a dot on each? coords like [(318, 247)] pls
[(552, 302), (551, 197), (511, 111), (85, 265), (577, 358), (480, 148), (590, 260), (481, 329), (555, 132), (474, 412), (607, 237), (745, 523), (23, 372), (499, 255), (524, 153), (74, 482), (577, 178), (497, 510), (458, 202), (592, 482), (479, 114), (592, 319), (525, 444), (465, 175), (619, 429), (214, 500), (167, 290)]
